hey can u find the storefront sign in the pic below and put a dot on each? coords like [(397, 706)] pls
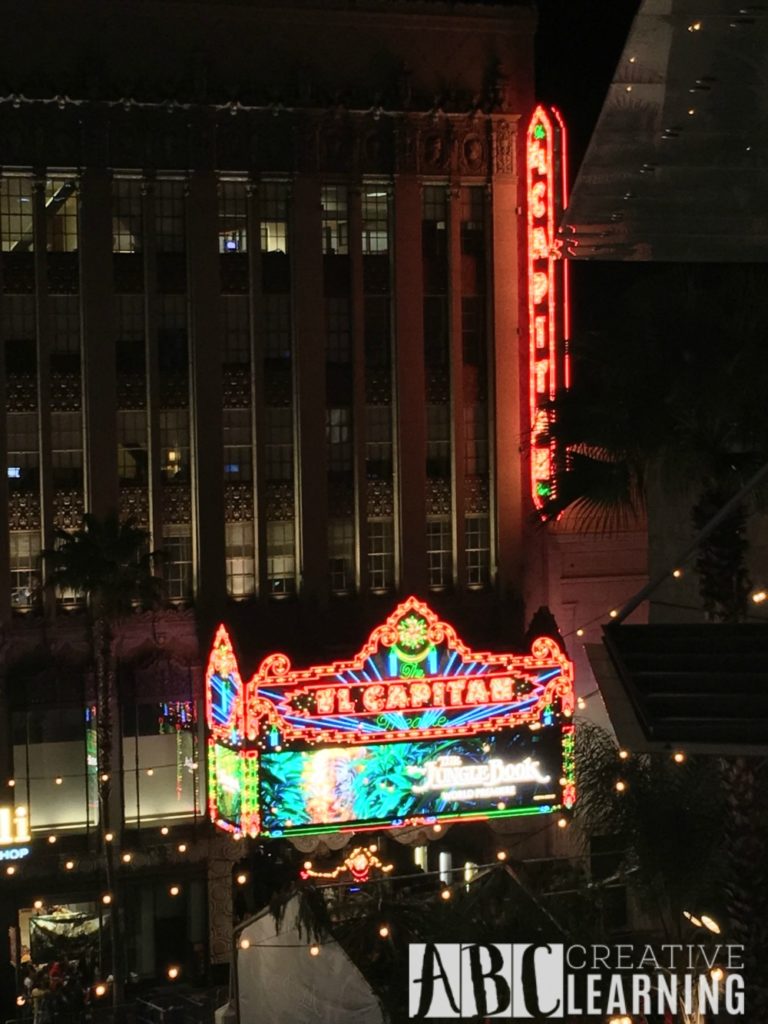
[(416, 728), (547, 290)]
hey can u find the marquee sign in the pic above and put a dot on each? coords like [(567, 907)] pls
[(416, 728), (547, 289)]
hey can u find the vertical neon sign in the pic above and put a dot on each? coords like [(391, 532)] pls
[(547, 290)]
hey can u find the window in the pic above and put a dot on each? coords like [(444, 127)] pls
[(235, 326), (132, 464), (278, 447), (16, 213), (160, 761), (341, 555), (381, 557), (174, 445), (127, 220), (273, 216), (338, 325), (67, 450), (64, 322), (239, 553), (472, 330), (50, 743), (61, 214), (435, 330), (375, 220), (170, 233), (472, 219), (177, 566), (23, 451), (25, 567), (130, 349), (438, 440), (172, 343), (277, 327), (434, 221), (439, 552), (233, 217), (476, 439), (377, 332), (477, 546), (237, 444), (378, 441), (281, 559), (335, 219), (338, 433)]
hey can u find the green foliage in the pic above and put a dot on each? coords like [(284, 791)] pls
[(670, 392), (108, 561), (668, 822)]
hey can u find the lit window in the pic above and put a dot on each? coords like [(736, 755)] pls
[(61, 214), (335, 220), (127, 219), (439, 552), (237, 444), (233, 217), (132, 464), (23, 451), (278, 447), (273, 216), (177, 562), (239, 553), (281, 558), (375, 220), (25, 567), (338, 326), (170, 228), (174, 445), (381, 555), (341, 555), (16, 214), (477, 545), (338, 432)]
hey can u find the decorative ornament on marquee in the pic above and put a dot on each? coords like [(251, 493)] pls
[(358, 864), (548, 313)]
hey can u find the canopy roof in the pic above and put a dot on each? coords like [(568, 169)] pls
[(677, 167)]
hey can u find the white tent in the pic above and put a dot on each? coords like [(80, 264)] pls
[(279, 982)]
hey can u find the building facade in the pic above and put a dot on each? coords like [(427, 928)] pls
[(262, 289)]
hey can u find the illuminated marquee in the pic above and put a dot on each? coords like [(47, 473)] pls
[(417, 728), (547, 289)]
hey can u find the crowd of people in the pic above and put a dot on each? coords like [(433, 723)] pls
[(62, 992)]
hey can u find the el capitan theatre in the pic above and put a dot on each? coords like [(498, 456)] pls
[(415, 729)]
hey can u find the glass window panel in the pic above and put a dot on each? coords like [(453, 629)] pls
[(16, 213), (233, 217)]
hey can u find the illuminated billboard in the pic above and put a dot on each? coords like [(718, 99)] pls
[(416, 728)]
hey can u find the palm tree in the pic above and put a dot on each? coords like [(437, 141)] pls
[(108, 563), (668, 401)]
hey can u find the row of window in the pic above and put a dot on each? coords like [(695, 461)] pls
[(25, 548), (129, 228)]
